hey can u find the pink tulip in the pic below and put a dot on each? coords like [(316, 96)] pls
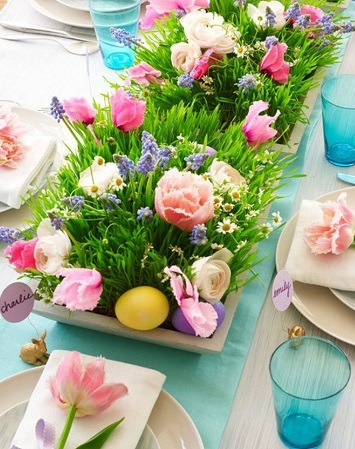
[(257, 127), (201, 316), (21, 254), (79, 110), (127, 113), (203, 64), (80, 289), (274, 65), (336, 233), (158, 9), (83, 386), (144, 74), (184, 199), (314, 12)]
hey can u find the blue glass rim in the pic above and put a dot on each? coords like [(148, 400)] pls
[(326, 84), (299, 340)]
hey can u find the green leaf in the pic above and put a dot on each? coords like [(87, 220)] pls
[(98, 440)]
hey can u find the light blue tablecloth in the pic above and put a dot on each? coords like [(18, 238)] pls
[(203, 384)]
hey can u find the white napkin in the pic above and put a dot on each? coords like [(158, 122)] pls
[(30, 171), (327, 270), (144, 386)]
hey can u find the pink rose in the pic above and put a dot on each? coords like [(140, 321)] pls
[(184, 199), (144, 74), (127, 113), (79, 110), (21, 254), (80, 289), (314, 12), (158, 9), (274, 65), (257, 127), (336, 233)]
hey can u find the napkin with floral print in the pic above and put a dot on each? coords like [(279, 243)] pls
[(327, 229), (144, 386), (29, 172)]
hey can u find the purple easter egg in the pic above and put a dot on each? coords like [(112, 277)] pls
[(221, 312), (180, 323)]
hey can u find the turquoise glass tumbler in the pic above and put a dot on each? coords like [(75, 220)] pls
[(338, 112), (123, 14), (308, 376)]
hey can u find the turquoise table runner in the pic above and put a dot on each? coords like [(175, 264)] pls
[(204, 384)]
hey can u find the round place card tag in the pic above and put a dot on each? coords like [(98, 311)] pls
[(282, 290), (16, 302)]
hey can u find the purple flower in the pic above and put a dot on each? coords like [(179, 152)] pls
[(270, 17), (198, 235), (185, 80), (164, 157), (8, 235), (247, 82), (124, 37), (271, 40), (76, 201), (125, 165), (57, 109), (109, 200), (293, 12), (145, 213), (194, 161)]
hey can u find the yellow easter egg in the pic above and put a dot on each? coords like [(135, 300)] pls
[(142, 308)]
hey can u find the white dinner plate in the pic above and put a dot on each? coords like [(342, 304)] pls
[(61, 13), (169, 422), (40, 124), (10, 420), (318, 304)]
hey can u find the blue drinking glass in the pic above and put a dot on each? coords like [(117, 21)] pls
[(308, 376), (123, 14), (338, 112)]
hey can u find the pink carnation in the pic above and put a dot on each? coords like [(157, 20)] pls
[(80, 289), (184, 199), (336, 232), (12, 147), (144, 74)]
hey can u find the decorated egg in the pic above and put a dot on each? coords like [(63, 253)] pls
[(142, 308)]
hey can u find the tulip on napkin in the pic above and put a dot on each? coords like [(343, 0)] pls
[(144, 386), (30, 171), (321, 252)]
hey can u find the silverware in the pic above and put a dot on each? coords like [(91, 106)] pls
[(87, 36), (75, 47), (347, 178)]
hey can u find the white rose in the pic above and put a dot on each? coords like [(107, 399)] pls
[(52, 248), (208, 30), (212, 275), (257, 14), (96, 178), (184, 56), (223, 173)]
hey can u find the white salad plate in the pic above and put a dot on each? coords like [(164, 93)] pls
[(169, 423), (80, 5), (347, 297), (319, 304), (39, 124), (62, 13)]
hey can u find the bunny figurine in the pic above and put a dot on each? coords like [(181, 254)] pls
[(35, 353)]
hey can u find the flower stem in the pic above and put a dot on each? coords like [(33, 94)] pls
[(67, 426)]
